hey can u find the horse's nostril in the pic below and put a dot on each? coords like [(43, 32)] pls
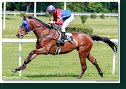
[(18, 36)]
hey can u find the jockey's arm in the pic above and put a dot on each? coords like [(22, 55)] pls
[(58, 18)]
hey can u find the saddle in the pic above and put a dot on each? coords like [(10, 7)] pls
[(56, 34)]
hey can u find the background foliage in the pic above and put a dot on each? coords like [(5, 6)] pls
[(93, 7)]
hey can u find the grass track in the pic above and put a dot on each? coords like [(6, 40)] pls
[(60, 67)]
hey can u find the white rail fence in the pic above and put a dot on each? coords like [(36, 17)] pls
[(75, 13), (20, 41), (42, 13), (19, 12)]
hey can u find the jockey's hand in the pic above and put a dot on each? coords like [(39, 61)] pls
[(52, 22)]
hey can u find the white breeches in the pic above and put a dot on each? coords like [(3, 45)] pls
[(67, 22)]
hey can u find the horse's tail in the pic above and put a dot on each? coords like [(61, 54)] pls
[(106, 40)]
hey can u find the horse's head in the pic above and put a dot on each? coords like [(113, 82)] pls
[(31, 24), (24, 28)]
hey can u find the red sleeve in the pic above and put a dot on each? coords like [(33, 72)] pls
[(57, 17)]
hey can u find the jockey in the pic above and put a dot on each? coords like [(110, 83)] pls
[(61, 18)]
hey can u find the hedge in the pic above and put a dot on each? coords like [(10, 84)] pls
[(102, 16), (79, 28), (83, 18), (93, 16)]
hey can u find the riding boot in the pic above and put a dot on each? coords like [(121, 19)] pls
[(62, 37)]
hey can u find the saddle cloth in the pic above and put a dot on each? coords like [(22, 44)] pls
[(69, 37)]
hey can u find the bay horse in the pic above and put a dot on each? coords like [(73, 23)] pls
[(47, 43)]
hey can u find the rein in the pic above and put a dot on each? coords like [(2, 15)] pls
[(25, 24), (44, 34)]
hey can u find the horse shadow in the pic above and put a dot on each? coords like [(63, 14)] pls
[(52, 75)]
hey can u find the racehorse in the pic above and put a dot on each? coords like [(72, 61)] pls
[(47, 43)]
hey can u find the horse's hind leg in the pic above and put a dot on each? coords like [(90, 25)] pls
[(82, 55), (83, 65), (94, 62), (30, 57)]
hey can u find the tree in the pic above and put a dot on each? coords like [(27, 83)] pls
[(113, 7), (28, 7), (94, 7), (10, 6)]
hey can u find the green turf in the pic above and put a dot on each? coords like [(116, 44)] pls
[(103, 27), (107, 27), (59, 67)]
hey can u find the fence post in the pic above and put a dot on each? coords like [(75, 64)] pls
[(64, 5), (35, 9), (4, 23), (113, 65), (20, 54)]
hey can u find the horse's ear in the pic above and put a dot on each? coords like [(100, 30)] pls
[(23, 15)]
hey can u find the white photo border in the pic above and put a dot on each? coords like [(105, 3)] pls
[(78, 81)]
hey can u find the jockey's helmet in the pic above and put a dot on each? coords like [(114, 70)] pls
[(50, 9)]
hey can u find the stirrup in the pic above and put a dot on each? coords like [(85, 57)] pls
[(60, 41)]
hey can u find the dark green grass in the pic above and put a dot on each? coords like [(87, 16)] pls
[(59, 67)]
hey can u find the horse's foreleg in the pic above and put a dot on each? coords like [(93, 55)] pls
[(30, 57), (42, 50), (94, 62)]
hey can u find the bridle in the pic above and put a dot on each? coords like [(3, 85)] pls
[(25, 24)]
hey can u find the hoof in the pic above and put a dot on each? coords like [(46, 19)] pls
[(101, 74), (78, 77), (14, 70), (23, 67)]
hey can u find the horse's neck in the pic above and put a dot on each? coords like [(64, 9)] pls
[(41, 31), (38, 28), (45, 32)]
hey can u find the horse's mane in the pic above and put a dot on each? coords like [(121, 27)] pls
[(31, 17)]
